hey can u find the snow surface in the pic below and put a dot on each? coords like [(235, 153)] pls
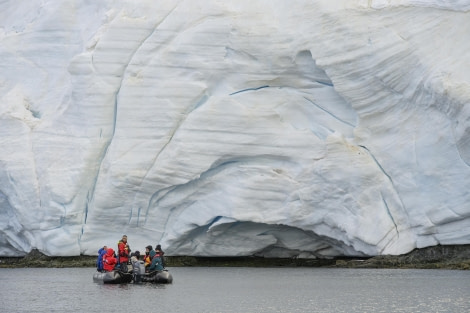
[(230, 128)]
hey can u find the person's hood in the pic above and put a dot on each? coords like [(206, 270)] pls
[(110, 252), (152, 253)]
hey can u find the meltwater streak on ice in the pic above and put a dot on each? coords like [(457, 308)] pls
[(202, 289)]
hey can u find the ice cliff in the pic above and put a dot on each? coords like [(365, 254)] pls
[(230, 128)]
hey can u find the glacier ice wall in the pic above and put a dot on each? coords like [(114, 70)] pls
[(270, 128)]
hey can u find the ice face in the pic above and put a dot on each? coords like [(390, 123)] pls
[(270, 128)]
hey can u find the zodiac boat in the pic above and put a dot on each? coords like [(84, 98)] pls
[(136, 274)]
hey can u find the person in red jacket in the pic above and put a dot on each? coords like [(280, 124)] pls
[(109, 261), (123, 253)]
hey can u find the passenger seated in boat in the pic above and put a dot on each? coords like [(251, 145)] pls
[(147, 259), (99, 261), (156, 262), (158, 249), (109, 260)]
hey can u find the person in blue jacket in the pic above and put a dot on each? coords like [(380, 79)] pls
[(156, 264), (99, 261)]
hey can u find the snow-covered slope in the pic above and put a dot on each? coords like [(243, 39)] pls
[(219, 128)]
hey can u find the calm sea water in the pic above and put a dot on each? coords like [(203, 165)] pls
[(201, 289)]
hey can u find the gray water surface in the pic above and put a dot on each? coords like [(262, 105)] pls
[(201, 289)]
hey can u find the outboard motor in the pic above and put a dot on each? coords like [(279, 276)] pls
[(138, 271)]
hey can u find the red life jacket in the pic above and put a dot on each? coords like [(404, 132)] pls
[(123, 252)]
